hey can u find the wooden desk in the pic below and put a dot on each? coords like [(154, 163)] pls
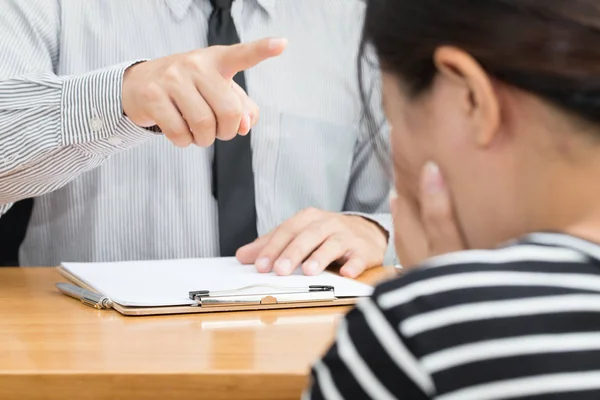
[(52, 347)]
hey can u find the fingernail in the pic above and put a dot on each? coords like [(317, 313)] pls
[(276, 43), (263, 264), (393, 195), (433, 179), (283, 267), (311, 267)]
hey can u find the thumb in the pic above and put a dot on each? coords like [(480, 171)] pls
[(393, 198), (242, 56)]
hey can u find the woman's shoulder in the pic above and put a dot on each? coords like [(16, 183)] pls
[(467, 319), (544, 262), (475, 317)]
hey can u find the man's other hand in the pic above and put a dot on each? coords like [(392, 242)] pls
[(313, 239)]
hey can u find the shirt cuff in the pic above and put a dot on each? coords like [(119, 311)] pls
[(92, 112), (385, 222), (91, 105)]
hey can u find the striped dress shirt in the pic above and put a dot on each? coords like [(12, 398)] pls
[(108, 190), (519, 322)]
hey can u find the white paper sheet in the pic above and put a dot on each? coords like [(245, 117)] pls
[(168, 282)]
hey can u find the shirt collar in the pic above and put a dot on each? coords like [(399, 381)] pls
[(180, 7), (269, 6)]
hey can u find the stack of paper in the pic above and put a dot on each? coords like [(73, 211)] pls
[(168, 282)]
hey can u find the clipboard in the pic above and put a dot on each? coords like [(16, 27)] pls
[(205, 301)]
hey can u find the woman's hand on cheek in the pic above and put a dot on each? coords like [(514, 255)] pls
[(429, 228)]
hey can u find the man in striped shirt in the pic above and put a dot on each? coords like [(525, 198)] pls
[(511, 114), (86, 86)]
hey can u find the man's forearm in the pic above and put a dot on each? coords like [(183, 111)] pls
[(54, 128)]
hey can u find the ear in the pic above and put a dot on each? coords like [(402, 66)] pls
[(481, 101)]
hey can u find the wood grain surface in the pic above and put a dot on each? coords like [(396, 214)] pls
[(53, 347)]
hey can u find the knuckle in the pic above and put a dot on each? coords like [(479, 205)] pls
[(338, 243), (294, 253), (152, 93), (317, 230), (229, 110), (204, 139), (181, 141), (204, 123), (177, 132), (283, 232), (289, 228), (176, 137), (194, 60), (173, 75), (310, 212), (337, 223), (179, 136)]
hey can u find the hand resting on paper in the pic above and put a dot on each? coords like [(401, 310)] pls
[(313, 239), (426, 226)]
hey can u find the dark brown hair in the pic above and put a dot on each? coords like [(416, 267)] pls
[(547, 47)]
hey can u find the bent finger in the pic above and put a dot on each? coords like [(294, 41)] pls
[(283, 235), (303, 245), (331, 250), (168, 118), (223, 101), (251, 109), (197, 114), (249, 253)]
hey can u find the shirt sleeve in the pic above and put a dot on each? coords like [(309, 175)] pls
[(368, 360), (370, 183), (52, 128)]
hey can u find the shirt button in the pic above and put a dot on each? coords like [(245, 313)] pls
[(115, 141), (96, 124)]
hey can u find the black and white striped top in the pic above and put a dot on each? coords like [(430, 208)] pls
[(519, 322)]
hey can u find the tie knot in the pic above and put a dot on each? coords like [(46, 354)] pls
[(222, 4)]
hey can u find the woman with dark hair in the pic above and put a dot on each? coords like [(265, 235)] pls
[(502, 99)]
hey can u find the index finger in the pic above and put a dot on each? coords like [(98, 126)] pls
[(437, 213), (242, 56), (248, 254)]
